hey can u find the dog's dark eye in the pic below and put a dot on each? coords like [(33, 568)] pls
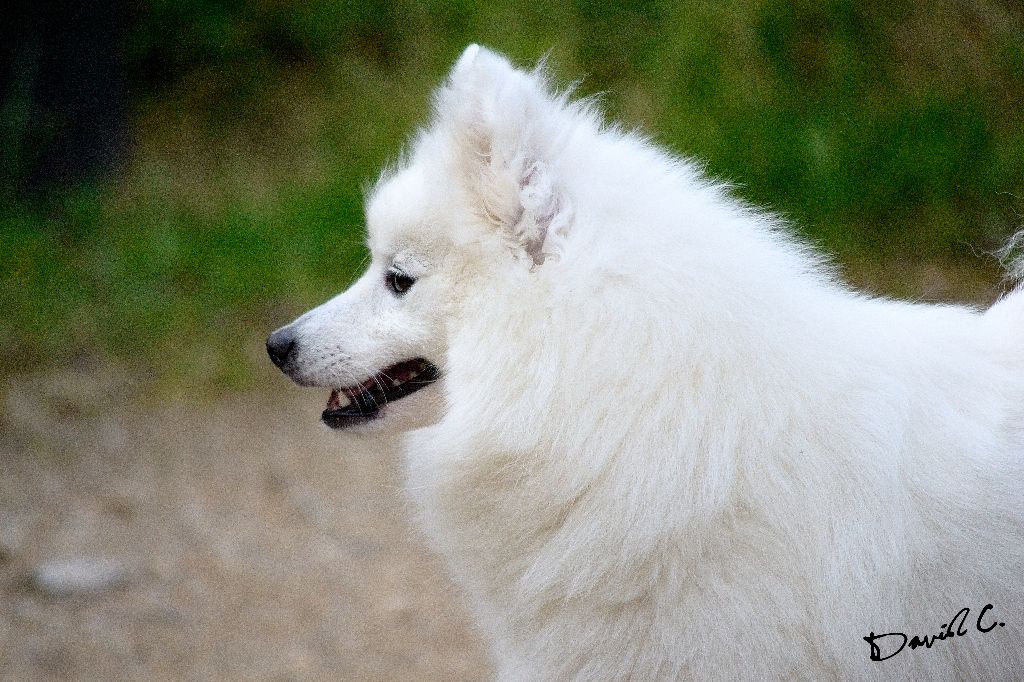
[(399, 281)]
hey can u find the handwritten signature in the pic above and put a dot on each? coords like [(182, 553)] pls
[(959, 620)]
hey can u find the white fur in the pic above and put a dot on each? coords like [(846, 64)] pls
[(668, 444)]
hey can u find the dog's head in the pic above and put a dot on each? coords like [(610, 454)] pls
[(480, 198)]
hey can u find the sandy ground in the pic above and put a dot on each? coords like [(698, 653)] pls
[(257, 545)]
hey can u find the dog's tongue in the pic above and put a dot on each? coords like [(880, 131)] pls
[(333, 402)]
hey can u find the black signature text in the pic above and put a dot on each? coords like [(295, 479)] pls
[(887, 645)]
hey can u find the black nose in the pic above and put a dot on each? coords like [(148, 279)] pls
[(280, 345)]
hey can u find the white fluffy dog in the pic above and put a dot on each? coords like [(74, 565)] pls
[(656, 438)]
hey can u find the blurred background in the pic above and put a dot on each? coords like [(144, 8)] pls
[(179, 178)]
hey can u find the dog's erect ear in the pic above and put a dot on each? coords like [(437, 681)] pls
[(509, 130)]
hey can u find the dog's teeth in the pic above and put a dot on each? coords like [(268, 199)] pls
[(343, 400)]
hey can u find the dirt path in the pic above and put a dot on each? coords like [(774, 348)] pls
[(257, 545)]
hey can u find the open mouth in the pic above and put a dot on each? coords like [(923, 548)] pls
[(363, 402)]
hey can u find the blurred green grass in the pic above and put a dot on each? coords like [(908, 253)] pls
[(891, 135)]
